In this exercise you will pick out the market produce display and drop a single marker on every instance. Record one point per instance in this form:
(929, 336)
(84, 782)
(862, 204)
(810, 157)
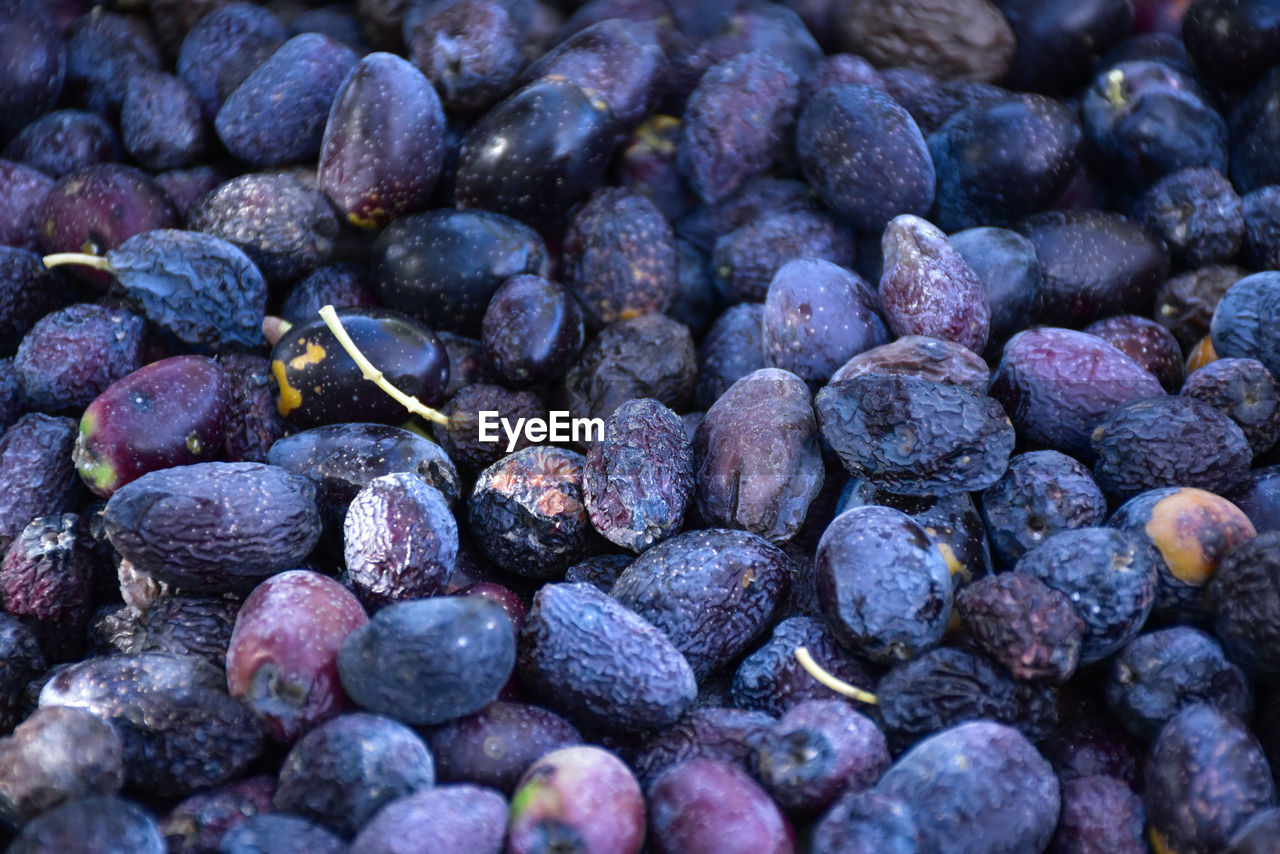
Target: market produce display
(639, 426)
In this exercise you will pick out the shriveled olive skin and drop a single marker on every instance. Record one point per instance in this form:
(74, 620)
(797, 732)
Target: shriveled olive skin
(214, 526)
(712, 592)
(916, 436)
(180, 729)
(597, 662)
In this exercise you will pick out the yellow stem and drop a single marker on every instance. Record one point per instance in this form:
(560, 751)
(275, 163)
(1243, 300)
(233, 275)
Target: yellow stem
(374, 375)
(833, 682)
(95, 261)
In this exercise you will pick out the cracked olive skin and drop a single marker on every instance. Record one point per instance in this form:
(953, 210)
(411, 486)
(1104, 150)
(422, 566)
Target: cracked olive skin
(1244, 599)
(1110, 578)
(214, 527)
(880, 549)
(494, 746)
(1205, 774)
(711, 592)
(597, 662)
(915, 436)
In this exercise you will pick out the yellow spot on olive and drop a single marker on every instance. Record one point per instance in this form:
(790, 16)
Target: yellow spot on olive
(194, 445)
(315, 355)
(290, 398)
(954, 566)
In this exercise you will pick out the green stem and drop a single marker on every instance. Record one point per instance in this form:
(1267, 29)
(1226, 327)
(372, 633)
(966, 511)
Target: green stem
(831, 681)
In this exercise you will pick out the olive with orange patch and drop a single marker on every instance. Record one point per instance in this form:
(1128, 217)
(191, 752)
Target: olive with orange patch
(1193, 530)
(317, 382)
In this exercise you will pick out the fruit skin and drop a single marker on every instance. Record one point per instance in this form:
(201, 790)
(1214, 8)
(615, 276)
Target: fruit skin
(222, 42)
(25, 188)
(444, 266)
(771, 680)
(880, 549)
(818, 316)
(1257, 833)
(72, 355)
(65, 141)
(97, 824)
(864, 156)
(818, 751)
(169, 413)
(1057, 384)
(36, 473)
(1002, 160)
(1185, 303)
(756, 456)
(454, 818)
(620, 257)
(1059, 43)
(343, 771)
(532, 331)
(199, 288)
(198, 823)
(1099, 814)
(1259, 498)
(980, 787)
(282, 660)
(1163, 672)
(915, 436)
(383, 144)
(712, 732)
(711, 592)
(494, 746)
(637, 482)
(320, 383)
(179, 728)
(536, 153)
(277, 114)
(923, 357)
(1244, 390)
(1243, 326)
(647, 356)
(97, 209)
(704, 805)
(1244, 598)
(526, 511)
(1198, 215)
(1094, 264)
(428, 661)
(1169, 441)
(1146, 342)
(1110, 578)
(1193, 530)
(1204, 776)
(598, 662)
(47, 576)
(1041, 494)
(184, 625)
(460, 438)
(582, 797)
(734, 123)
(160, 121)
(1024, 624)
(1144, 120)
(214, 526)
(280, 834)
(469, 51)
(967, 41)
(341, 459)
(1230, 42)
(400, 540)
(731, 349)
(867, 821)
(35, 65)
(39, 770)
(102, 51)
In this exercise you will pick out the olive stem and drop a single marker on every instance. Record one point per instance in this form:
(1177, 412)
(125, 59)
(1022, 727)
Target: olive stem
(374, 375)
(95, 261)
(833, 682)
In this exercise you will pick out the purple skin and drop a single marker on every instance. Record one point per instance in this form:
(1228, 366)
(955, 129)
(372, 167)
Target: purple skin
(283, 657)
(928, 288)
(453, 818)
(95, 209)
(532, 330)
(197, 824)
(168, 413)
(1059, 383)
(185, 186)
(470, 51)
(384, 143)
(817, 752)
(583, 798)
(74, 354)
(708, 807)
(497, 744)
(714, 732)
(1147, 343)
(25, 189)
